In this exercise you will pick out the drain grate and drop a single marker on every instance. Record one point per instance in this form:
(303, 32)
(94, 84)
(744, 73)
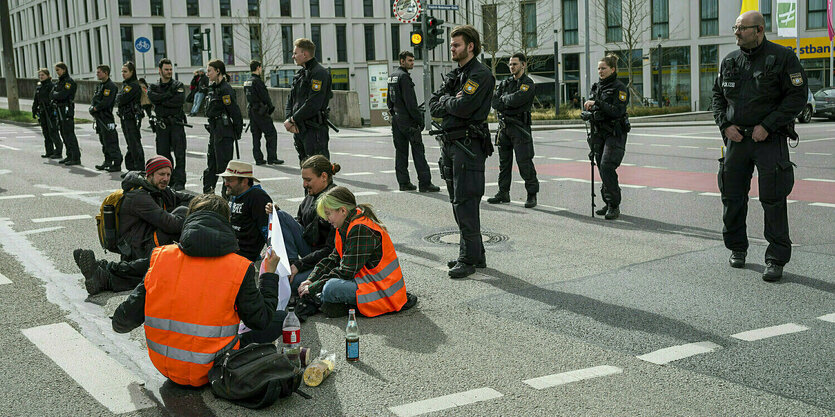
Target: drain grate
(452, 237)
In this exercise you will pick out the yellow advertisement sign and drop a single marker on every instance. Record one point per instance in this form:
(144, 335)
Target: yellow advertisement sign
(809, 47)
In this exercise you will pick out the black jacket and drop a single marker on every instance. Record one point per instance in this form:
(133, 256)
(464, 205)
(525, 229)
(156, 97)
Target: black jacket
(146, 210)
(104, 97)
(401, 99)
(128, 101)
(203, 84)
(168, 99)
(64, 91)
(763, 86)
(257, 98)
(207, 234)
(43, 98)
(309, 96)
(250, 221)
(610, 97)
(222, 102)
(318, 233)
(476, 82)
(513, 100)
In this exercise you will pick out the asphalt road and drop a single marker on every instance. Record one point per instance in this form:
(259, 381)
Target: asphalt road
(573, 316)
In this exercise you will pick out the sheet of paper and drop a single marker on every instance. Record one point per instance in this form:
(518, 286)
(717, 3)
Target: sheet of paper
(283, 269)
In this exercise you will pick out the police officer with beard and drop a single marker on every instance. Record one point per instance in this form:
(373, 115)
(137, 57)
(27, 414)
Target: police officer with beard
(43, 111)
(406, 125)
(512, 101)
(307, 105)
(225, 125)
(260, 108)
(760, 90)
(129, 109)
(168, 96)
(101, 109)
(463, 101)
(63, 98)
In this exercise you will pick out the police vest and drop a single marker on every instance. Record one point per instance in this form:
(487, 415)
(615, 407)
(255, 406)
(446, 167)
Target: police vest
(381, 289)
(190, 311)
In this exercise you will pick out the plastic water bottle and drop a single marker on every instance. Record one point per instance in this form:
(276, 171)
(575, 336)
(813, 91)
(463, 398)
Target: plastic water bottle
(291, 334)
(352, 338)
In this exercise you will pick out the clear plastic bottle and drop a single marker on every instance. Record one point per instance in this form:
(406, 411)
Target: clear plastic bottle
(291, 335)
(352, 338)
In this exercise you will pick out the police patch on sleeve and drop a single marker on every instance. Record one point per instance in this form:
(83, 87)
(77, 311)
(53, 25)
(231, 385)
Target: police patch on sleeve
(67, 86)
(470, 87)
(524, 87)
(797, 79)
(393, 80)
(106, 92)
(127, 89)
(248, 83)
(622, 95)
(227, 99)
(316, 85)
(180, 90)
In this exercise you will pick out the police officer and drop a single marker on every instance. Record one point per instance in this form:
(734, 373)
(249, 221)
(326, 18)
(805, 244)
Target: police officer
(168, 97)
(101, 108)
(43, 111)
(307, 105)
(760, 90)
(225, 125)
(609, 126)
(129, 109)
(63, 96)
(463, 101)
(260, 107)
(512, 101)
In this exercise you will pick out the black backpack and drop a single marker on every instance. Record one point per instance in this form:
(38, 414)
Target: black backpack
(254, 376)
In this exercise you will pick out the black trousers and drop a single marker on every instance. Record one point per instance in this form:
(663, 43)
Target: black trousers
(403, 137)
(775, 179)
(67, 128)
(135, 155)
(218, 155)
(126, 275)
(263, 125)
(312, 142)
(464, 178)
(171, 141)
(508, 143)
(608, 154)
(51, 139)
(109, 140)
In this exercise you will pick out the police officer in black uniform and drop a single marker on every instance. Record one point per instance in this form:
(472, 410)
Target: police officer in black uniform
(63, 98)
(260, 107)
(101, 108)
(760, 90)
(129, 109)
(168, 97)
(513, 100)
(225, 125)
(307, 106)
(463, 101)
(406, 125)
(43, 111)
(606, 110)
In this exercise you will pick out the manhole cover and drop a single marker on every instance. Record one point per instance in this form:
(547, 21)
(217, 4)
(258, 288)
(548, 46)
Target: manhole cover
(452, 237)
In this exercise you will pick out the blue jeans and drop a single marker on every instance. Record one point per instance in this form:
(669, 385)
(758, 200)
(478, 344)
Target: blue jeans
(198, 100)
(340, 291)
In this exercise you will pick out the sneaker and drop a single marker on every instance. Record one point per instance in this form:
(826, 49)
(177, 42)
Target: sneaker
(737, 259)
(431, 188)
(612, 213)
(773, 272)
(407, 187)
(499, 198)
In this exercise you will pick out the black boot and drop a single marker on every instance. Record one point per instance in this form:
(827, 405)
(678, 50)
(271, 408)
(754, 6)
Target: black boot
(407, 187)
(452, 263)
(737, 259)
(602, 211)
(461, 270)
(499, 198)
(96, 277)
(115, 167)
(773, 272)
(430, 188)
(612, 213)
(531, 201)
(104, 165)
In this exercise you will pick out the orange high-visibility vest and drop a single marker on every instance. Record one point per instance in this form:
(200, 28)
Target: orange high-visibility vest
(380, 290)
(190, 311)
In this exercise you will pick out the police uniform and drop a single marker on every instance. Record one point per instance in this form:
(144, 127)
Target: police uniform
(513, 100)
(101, 108)
(260, 107)
(307, 105)
(406, 125)
(225, 127)
(464, 120)
(608, 138)
(129, 109)
(168, 99)
(63, 96)
(763, 86)
(43, 111)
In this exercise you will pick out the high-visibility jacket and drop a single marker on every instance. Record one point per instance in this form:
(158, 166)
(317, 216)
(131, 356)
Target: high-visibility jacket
(190, 311)
(381, 289)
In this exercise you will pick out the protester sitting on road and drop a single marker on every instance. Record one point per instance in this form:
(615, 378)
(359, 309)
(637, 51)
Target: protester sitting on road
(363, 269)
(195, 295)
(150, 216)
(246, 202)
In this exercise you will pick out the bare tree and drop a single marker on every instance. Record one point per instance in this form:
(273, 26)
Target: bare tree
(264, 39)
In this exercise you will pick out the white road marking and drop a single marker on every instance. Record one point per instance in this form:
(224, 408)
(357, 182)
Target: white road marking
(12, 197)
(817, 140)
(672, 190)
(388, 171)
(11, 148)
(818, 153)
(628, 165)
(61, 218)
(445, 402)
(25, 137)
(354, 174)
(100, 375)
(635, 143)
(818, 179)
(4, 280)
(711, 194)
(273, 179)
(41, 230)
(64, 193)
(572, 180)
(5, 171)
(196, 153)
(362, 193)
(674, 353)
(557, 158)
(661, 145)
(94, 171)
(549, 381)
(632, 186)
(766, 332)
(823, 205)
(652, 166)
(492, 184)
(688, 147)
(295, 199)
(828, 317)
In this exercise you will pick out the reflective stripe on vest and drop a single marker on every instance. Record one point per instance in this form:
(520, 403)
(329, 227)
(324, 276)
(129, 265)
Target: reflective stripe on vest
(188, 356)
(380, 294)
(391, 267)
(190, 328)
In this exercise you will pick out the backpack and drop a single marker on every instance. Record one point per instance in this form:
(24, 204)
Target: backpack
(254, 376)
(107, 221)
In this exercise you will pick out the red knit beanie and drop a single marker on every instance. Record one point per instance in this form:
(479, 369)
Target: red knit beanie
(156, 163)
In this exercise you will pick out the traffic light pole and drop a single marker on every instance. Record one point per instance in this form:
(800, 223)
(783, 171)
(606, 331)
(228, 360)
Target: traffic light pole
(427, 73)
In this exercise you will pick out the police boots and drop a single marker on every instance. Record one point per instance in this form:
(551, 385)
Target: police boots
(500, 197)
(612, 213)
(531, 201)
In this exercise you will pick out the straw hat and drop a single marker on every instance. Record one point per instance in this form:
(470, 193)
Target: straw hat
(239, 169)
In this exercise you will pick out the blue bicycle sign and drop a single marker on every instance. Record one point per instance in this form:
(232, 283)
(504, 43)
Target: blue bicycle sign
(142, 44)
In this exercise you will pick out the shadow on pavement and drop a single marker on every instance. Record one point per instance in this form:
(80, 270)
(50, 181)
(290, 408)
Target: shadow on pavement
(788, 277)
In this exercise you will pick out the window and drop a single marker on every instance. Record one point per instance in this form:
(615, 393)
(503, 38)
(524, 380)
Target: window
(159, 42)
(395, 41)
(196, 52)
(570, 34)
(368, 8)
(287, 42)
(708, 70)
(314, 8)
(341, 44)
(285, 9)
(369, 43)
(529, 25)
(192, 8)
(124, 8)
(489, 27)
(40, 14)
(95, 10)
(98, 44)
(85, 17)
(339, 8)
(614, 31)
(156, 8)
(316, 37)
(127, 43)
(89, 50)
(67, 12)
(660, 19)
(225, 8)
(765, 9)
(253, 8)
(675, 83)
(709, 13)
(816, 15)
(255, 42)
(571, 75)
(228, 41)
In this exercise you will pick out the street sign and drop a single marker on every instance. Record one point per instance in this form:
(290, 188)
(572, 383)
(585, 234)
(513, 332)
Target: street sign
(142, 44)
(407, 11)
(442, 6)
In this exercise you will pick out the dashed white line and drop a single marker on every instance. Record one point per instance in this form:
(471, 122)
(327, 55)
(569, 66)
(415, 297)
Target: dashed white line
(688, 147)
(674, 353)
(828, 317)
(445, 402)
(632, 186)
(819, 153)
(388, 171)
(273, 179)
(196, 153)
(660, 145)
(364, 193)
(823, 205)
(766, 332)
(818, 179)
(711, 194)
(11, 148)
(627, 165)
(672, 190)
(63, 193)
(549, 381)
(4, 280)
(13, 197)
(354, 174)
(557, 158)
(41, 230)
(5, 171)
(61, 218)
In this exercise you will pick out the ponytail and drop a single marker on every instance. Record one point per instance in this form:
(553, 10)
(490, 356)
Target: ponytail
(338, 197)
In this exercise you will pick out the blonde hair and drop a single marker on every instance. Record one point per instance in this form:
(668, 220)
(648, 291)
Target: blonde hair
(338, 197)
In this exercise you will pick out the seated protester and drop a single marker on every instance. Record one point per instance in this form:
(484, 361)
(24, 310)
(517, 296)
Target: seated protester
(246, 202)
(195, 295)
(363, 269)
(151, 215)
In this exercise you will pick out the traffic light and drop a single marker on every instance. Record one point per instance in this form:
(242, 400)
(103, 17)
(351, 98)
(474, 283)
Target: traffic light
(435, 31)
(416, 37)
(197, 41)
